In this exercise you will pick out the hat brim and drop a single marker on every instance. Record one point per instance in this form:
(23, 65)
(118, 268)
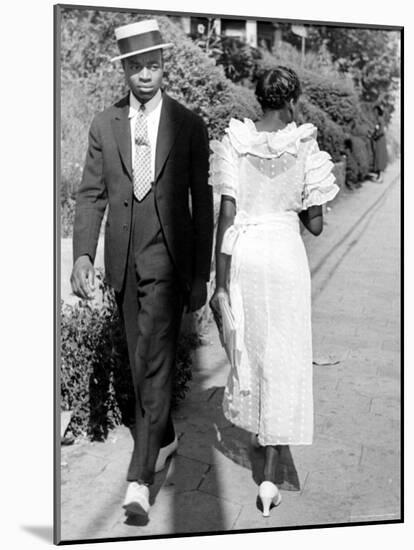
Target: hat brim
(144, 50)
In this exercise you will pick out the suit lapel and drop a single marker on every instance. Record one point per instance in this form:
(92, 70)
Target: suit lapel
(167, 131)
(122, 132)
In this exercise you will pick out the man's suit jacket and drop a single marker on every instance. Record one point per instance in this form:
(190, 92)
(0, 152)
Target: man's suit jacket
(181, 173)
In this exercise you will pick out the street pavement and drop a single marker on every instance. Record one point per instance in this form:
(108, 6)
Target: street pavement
(351, 473)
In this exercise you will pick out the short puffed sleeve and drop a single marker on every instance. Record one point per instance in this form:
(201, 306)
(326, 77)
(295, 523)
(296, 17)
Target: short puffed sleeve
(319, 186)
(223, 173)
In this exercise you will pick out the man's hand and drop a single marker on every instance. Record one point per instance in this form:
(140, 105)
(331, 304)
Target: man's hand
(83, 278)
(198, 295)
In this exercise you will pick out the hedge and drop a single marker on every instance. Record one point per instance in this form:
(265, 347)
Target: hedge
(331, 136)
(336, 98)
(194, 79)
(95, 375)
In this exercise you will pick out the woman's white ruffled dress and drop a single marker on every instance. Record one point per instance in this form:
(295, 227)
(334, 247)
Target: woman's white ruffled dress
(272, 176)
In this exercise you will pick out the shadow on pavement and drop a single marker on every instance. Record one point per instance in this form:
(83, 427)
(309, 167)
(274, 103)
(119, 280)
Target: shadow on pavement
(136, 520)
(208, 491)
(235, 444)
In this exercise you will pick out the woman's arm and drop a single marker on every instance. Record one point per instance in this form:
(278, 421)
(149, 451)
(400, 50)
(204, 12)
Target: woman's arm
(226, 219)
(312, 219)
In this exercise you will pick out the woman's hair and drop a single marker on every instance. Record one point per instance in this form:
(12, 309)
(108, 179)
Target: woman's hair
(276, 87)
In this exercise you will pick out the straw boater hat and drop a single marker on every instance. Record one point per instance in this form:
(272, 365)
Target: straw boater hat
(143, 36)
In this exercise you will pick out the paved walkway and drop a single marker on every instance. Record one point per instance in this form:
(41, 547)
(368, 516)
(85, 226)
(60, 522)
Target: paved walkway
(350, 473)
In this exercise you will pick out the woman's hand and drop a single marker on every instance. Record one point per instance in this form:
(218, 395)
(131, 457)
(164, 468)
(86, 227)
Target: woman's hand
(215, 305)
(312, 219)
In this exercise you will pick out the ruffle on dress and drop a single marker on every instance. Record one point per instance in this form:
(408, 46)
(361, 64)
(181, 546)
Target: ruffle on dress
(320, 184)
(243, 138)
(246, 139)
(223, 167)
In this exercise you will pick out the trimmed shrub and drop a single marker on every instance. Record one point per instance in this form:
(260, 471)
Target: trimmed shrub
(331, 137)
(336, 98)
(358, 159)
(194, 79)
(317, 63)
(96, 383)
(75, 119)
(67, 216)
(239, 60)
(341, 103)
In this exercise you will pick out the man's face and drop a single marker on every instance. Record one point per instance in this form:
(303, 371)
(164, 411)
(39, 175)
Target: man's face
(143, 73)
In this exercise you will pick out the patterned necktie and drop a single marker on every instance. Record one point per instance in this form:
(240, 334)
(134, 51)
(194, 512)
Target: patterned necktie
(142, 158)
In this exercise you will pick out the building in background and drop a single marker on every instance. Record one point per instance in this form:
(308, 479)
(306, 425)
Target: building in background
(255, 33)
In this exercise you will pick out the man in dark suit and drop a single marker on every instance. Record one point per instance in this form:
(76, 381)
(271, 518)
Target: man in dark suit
(147, 160)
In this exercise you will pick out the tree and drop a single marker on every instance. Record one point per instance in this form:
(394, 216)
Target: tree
(371, 56)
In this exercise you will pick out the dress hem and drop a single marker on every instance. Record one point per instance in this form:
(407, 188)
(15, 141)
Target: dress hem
(274, 442)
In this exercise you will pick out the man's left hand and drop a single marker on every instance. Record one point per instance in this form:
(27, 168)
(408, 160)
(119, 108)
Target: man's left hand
(198, 295)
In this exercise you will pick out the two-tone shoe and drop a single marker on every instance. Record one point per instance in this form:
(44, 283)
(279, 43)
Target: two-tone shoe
(137, 499)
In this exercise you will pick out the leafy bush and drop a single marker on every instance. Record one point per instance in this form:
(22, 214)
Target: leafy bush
(96, 379)
(341, 103)
(67, 216)
(336, 98)
(239, 60)
(371, 57)
(318, 63)
(75, 118)
(359, 156)
(194, 79)
(331, 137)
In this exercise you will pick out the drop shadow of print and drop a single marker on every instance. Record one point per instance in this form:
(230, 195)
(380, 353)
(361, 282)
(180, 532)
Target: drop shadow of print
(42, 532)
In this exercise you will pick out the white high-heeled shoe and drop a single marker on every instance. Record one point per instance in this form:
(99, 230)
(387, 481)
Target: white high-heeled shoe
(269, 494)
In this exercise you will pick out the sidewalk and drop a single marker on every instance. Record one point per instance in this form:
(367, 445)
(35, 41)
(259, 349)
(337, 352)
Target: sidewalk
(350, 473)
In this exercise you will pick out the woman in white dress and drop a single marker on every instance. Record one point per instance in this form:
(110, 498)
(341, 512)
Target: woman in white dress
(270, 174)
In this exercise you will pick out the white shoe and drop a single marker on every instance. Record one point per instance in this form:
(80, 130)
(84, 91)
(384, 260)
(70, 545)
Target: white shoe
(137, 499)
(269, 494)
(164, 453)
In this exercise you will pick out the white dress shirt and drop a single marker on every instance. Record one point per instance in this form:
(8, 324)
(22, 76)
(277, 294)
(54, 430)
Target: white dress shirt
(152, 112)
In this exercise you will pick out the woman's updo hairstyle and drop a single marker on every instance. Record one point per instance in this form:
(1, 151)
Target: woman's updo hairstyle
(276, 87)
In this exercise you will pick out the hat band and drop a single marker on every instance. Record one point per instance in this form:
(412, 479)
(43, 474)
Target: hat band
(139, 42)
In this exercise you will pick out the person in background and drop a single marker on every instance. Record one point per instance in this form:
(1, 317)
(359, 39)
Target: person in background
(147, 154)
(379, 144)
(270, 175)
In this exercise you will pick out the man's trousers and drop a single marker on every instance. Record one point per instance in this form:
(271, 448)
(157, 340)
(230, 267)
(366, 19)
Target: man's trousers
(151, 306)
